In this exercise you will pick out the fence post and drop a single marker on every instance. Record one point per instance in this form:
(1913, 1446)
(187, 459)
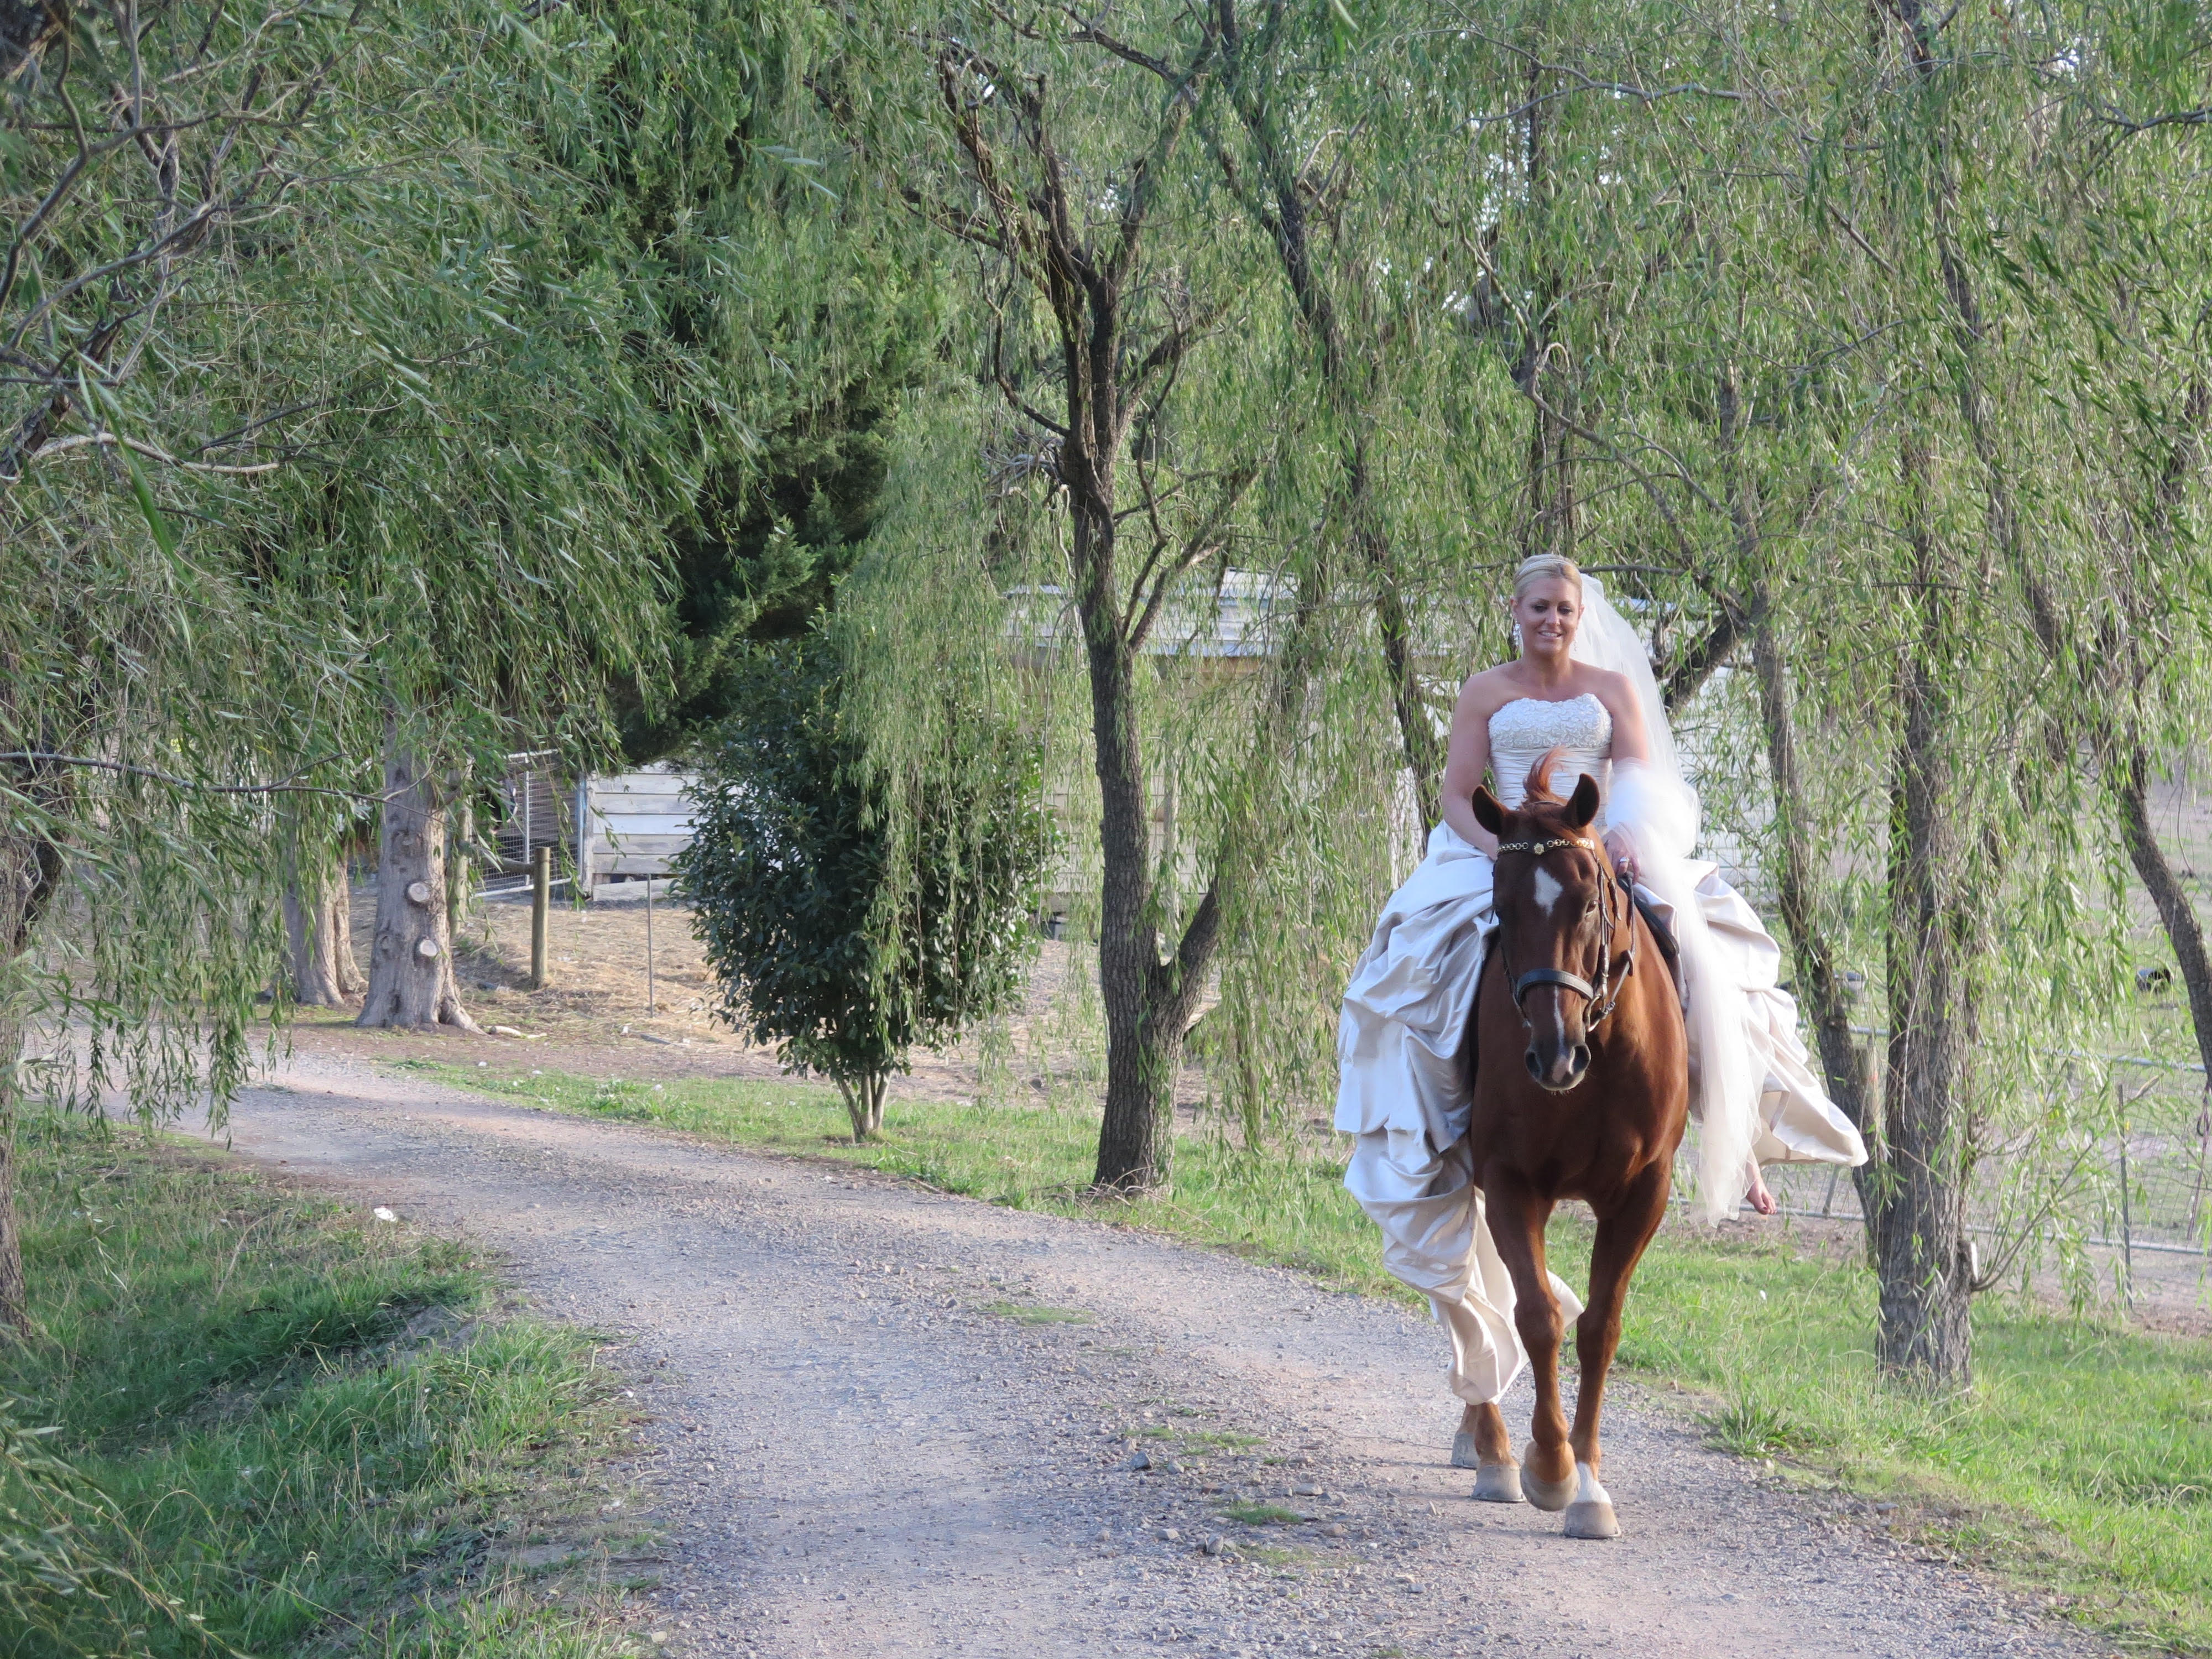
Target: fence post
(2127, 1213)
(648, 942)
(2204, 1157)
(541, 895)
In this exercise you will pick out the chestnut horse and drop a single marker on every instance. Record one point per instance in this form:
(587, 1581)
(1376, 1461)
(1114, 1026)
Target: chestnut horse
(1582, 1090)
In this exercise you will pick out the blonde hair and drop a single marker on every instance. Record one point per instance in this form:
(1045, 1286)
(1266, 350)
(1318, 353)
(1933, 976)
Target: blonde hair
(1541, 567)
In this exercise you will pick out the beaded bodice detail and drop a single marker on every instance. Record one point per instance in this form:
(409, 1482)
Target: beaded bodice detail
(1521, 730)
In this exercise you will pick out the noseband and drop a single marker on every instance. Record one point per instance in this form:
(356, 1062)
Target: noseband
(1601, 996)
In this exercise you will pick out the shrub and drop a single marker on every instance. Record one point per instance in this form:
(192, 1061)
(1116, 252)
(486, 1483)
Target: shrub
(840, 929)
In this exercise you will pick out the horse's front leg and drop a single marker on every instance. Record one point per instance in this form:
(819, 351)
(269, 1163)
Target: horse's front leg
(1517, 1219)
(1622, 1236)
(1483, 1445)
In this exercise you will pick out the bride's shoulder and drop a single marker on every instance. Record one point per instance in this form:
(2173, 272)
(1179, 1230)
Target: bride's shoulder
(1616, 692)
(1488, 690)
(1611, 688)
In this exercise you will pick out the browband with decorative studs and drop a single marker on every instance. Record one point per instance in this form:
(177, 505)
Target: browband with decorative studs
(1540, 847)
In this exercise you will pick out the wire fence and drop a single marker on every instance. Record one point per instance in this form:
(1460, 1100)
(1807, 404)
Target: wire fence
(2119, 1158)
(536, 810)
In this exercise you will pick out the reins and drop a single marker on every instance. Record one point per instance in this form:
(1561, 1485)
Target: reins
(1602, 996)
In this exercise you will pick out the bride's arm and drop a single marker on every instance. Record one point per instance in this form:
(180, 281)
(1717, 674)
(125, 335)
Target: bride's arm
(1630, 743)
(1466, 759)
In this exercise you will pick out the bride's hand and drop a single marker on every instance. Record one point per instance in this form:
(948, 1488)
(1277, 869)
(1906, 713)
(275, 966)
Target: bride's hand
(1623, 848)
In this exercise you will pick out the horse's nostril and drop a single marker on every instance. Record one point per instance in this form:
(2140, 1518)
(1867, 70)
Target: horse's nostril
(1581, 1061)
(1535, 1065)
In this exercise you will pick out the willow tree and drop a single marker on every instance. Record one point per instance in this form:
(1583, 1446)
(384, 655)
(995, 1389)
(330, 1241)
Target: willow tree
(499, 437)
(798, 310)
(1759, 284)
(1062, 166)
(275, 467)
(155, 706)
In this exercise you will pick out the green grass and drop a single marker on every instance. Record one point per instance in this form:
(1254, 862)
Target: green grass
(1026, 1313)
(2082, 1462)
(277, 1426)
(1261, 1515)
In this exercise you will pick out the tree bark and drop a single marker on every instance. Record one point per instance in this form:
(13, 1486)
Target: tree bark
(410, 975)
(1687, 673)
(319, 925)
(1917, 1216)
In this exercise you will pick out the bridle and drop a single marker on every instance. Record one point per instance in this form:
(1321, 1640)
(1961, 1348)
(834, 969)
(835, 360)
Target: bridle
(1601, 996)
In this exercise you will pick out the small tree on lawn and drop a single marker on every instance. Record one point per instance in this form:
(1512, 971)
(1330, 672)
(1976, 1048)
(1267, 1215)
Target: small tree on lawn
(832, 938)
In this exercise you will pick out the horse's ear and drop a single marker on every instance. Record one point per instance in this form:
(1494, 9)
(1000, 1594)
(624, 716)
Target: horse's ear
(1581, 805)
(1487, 812)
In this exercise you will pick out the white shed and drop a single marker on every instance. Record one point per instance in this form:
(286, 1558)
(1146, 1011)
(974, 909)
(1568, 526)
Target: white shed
(633, 823)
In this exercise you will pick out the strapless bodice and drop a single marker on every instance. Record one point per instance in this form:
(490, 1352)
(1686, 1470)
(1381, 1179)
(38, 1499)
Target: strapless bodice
(1523, 729)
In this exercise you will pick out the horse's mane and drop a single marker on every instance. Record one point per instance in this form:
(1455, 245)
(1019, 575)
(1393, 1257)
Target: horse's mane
(1538, 791)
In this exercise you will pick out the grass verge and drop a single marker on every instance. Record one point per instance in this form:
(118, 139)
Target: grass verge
(252, 1421)
(2080, 1463)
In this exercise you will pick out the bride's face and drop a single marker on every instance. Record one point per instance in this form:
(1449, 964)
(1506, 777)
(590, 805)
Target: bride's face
(1548, 614)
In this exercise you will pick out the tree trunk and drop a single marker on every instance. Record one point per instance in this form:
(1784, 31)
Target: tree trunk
(318, 924)
(2127, 775)
(1136, 1138)
(1416, 732)
(30, 870)
(460, 870)
(1917, 1216)
(352, 982)
(410, 975)
(1148, 1000)
(864, 1105)
(15, 1294)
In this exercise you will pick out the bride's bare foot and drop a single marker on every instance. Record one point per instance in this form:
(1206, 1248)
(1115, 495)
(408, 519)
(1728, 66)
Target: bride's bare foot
(1762, 1199)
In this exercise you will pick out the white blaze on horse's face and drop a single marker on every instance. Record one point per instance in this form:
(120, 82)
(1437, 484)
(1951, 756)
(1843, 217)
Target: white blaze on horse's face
(1547, 890)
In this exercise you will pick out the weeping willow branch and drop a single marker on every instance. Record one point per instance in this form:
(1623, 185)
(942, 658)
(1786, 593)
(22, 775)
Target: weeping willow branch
(152, 452)
(284, 786)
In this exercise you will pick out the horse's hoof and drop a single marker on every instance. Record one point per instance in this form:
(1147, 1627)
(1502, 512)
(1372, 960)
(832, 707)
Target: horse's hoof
(1595, 1520)
(1464, 1454)
(1550, 1495)
(1498, 1483)
(1590, 1516)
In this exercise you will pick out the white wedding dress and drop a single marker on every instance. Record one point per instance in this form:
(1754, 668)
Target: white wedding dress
(1399, 1090)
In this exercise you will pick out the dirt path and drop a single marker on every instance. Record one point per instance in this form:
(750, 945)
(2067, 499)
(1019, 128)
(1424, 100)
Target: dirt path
(896, 1423)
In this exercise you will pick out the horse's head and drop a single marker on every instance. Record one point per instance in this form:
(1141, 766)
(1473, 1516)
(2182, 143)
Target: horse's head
(1555, 919)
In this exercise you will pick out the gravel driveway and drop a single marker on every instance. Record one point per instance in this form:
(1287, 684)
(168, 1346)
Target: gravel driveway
(896, 1423)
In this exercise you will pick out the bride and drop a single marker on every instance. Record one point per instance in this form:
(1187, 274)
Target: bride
(1583, 686)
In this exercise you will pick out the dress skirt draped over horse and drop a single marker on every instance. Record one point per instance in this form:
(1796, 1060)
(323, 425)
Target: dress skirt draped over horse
(1401, 1093)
